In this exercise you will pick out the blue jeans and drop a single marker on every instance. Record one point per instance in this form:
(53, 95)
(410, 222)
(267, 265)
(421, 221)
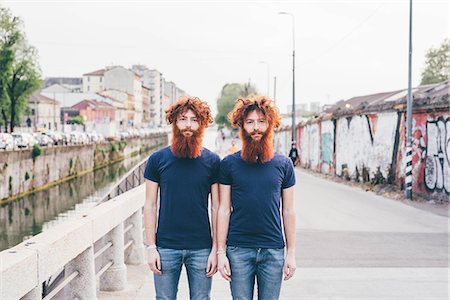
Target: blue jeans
(195, 261)
(266, 265)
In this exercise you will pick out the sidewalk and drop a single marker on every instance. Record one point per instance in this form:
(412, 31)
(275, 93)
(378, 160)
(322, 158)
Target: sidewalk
(315, 284)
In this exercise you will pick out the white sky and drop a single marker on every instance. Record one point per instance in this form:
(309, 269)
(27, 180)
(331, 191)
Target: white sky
(343, 48)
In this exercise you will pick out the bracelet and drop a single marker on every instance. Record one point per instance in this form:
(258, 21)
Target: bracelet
(220, 251)
(151, 246)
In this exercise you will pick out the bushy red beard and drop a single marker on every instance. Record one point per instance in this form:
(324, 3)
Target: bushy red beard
(186, 147)
(257, 151)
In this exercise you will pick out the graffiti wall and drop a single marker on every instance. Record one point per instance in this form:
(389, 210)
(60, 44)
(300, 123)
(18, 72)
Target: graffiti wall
(282, 141)
(364, 145)
(310, 146)
(431, 155)
(327, 146)
(371, 147)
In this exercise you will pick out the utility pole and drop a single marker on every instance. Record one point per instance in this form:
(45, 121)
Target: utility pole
(409, 104)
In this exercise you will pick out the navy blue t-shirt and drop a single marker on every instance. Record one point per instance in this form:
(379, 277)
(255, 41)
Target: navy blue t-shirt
(255, 219)
(185, 185)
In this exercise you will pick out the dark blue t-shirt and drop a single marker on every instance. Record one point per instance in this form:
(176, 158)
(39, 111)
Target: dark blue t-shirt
(185, 185)
(255, 219)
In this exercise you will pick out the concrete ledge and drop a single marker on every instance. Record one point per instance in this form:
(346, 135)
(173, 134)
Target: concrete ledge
(109, 214)
(18, 272)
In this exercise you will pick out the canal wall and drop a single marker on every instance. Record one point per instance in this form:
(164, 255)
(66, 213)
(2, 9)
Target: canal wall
(20, 173)
(363, 139)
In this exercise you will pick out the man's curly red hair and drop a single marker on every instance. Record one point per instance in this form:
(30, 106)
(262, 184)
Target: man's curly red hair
(253, 151)
(199, 107)
(261, 103)
(188, 147)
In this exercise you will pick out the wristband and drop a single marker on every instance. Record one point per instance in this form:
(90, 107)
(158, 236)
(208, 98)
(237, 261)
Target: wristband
(151, 246)
(220, 251)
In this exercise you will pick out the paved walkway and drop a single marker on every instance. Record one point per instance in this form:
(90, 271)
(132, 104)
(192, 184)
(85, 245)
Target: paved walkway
(351, 244)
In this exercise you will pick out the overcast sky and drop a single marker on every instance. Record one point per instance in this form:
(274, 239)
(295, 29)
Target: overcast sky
(343, 48)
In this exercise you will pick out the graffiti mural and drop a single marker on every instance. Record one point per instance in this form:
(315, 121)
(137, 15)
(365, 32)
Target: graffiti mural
(437, 159)
(360, 146)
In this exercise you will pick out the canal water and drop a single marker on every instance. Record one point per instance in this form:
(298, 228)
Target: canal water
(37, 212)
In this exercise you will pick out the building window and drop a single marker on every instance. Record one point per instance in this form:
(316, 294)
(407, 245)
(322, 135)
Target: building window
(89, 78)
(101, 78)
(88, 88)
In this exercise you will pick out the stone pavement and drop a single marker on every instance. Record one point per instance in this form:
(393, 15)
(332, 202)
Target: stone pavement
(316, 284)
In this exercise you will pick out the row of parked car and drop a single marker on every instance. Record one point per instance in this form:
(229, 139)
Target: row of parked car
(11, 141)
(51, 138)
(142, 133)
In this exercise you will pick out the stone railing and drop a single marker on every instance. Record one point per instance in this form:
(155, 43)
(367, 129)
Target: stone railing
(92, 252)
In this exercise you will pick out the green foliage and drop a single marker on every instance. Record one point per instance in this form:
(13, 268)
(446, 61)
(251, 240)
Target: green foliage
(112, 147)
(20, 73)
(437, 64)
(229, 94)
(36, 151)
(76, 120)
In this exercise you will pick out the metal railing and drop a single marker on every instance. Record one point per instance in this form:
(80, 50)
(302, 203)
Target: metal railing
(132, 179)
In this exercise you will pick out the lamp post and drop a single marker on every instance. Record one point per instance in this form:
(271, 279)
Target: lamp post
(409, 104)
(293, 73)
(268, 76)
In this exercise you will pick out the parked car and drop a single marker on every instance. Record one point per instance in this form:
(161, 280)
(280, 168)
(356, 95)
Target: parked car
(6, 141)
(56, 136)
(43, 139)
(20, 141)
(66, 138)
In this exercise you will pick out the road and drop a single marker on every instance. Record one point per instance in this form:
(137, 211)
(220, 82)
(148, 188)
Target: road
(351, 244)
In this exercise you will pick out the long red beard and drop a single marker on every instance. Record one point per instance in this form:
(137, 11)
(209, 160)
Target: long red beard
(254, 151)
(187, 147)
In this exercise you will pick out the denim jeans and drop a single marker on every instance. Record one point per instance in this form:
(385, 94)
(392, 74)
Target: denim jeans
(166, 284)
(266, 265)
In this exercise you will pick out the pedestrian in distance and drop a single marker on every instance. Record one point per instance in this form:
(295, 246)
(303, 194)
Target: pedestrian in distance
(254, 184)
(186, 175)
(293, 154)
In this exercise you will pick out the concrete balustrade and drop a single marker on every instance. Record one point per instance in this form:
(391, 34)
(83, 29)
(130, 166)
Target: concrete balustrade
(70, 245)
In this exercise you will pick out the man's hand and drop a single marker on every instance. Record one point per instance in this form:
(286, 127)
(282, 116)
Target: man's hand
(289, 266)
(224, 266)
(153, 260)
(211, 266)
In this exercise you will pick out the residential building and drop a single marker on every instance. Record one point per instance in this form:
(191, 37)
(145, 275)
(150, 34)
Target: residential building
(96, 111)
(124, 107)
(45, 112)
(154, 80)
(146, 104)
(122, 79)
(93, 82)
(74, 84)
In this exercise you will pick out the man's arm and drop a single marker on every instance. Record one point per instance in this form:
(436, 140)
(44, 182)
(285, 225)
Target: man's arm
(289, 221)
(223, 220)
(211, 267)
(150, 213)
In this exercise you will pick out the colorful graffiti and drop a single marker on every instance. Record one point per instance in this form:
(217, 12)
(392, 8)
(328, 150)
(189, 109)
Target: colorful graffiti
(437, 158)
(363, 146)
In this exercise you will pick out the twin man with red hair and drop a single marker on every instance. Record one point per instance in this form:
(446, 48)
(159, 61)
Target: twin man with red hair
(240, 232)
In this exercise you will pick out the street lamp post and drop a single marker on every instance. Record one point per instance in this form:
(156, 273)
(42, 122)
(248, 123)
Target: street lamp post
(409, 104)
(293, 73)
(268, 77)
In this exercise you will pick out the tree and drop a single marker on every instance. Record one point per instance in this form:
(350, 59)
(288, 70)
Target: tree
(19, 70)
(24, 80)
(437, 64)
(230, 92)
(9, 35)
